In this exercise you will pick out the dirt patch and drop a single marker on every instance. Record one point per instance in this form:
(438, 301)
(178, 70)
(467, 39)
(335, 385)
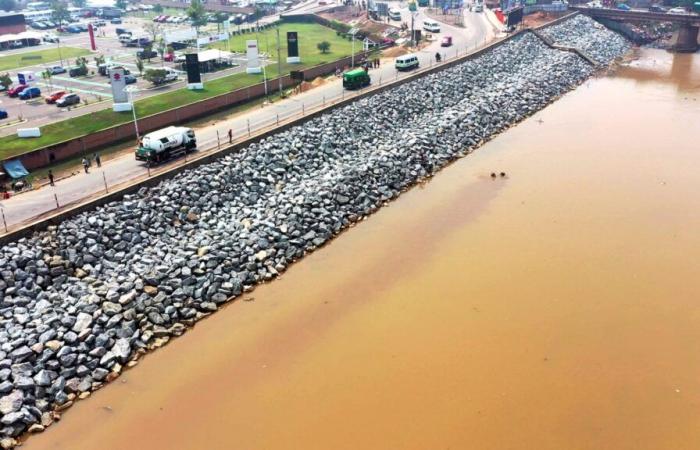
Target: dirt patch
(540, 18)
(393, 52)
(357, 18)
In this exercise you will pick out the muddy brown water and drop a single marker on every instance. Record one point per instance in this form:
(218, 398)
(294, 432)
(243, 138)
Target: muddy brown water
(557, 308)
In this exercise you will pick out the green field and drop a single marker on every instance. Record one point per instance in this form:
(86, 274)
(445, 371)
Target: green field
(309, 36)
(19, 60)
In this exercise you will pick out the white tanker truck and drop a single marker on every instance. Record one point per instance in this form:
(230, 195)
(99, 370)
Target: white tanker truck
(165, 144)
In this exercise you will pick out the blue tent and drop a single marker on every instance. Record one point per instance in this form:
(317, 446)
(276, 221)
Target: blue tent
(15, 169)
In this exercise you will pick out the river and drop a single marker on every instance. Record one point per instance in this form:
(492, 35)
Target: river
(555, 308)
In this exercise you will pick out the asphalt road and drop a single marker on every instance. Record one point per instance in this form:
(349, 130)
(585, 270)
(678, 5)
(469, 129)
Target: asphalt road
(22, 208)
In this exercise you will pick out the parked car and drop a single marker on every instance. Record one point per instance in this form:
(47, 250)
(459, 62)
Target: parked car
(53, 98)
(28, 93)
(55, 70)
(15, 91)
(73, 29)
(677, 10)
(116, 21)
(68, 100)
(446, 41)
(623, 7)
(3, 114)
(146, 54)
(129, 79)
(78, 71)
(49, 24)
(48, 37)
(656, 8)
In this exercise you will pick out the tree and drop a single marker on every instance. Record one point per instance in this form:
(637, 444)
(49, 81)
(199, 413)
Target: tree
(158, 9)
(324, 46)
(147, 49)
(153, 29)
(139, 65)
(99, 59)
(197, 14)
(121, 4)
(155, 76)
(220, 18)
(59, 12)
(8, 5)
(5, 80)
(160, 47)
(46, 75)
(79, 3)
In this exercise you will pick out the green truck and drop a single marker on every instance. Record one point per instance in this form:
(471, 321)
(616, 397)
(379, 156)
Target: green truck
(355, 79)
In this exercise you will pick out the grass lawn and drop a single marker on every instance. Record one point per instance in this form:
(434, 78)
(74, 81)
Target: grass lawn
(39, 57)
(309, 35)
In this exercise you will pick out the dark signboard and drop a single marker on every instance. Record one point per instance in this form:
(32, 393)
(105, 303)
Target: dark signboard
(292, 44)
(192, 67)
(515, 16)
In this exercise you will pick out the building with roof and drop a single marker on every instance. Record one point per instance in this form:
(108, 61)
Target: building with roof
(12, 23)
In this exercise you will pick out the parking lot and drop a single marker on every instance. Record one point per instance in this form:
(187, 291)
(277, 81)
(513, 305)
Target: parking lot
(93, 89)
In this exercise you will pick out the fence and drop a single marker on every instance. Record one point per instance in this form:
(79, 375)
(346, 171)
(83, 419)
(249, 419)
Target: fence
(120, 133)
(107, 186)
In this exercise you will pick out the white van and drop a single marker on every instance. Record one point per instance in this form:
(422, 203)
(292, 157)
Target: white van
(431, 25)
(124, 38)
(406, 62)
(394, 14)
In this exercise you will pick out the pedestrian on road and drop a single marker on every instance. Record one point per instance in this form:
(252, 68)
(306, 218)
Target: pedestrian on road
(50, 177)
(230, 136)
(86, 164)
(98, 161)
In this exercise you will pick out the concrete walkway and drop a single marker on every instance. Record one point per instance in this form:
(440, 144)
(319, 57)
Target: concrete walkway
(29, 206)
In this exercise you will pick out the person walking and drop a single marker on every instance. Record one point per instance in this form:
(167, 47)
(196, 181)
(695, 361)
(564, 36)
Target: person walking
(86, 164)
(50, 175)
(230, 136)
(98, 161)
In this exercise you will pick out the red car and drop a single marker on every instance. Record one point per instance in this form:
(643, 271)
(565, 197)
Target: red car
(55, 96)
(446, 41)
(169, 57)
(15, 91)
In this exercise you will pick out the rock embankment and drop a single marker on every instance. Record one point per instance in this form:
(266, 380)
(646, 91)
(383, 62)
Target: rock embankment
(81, 300)
(587, 35)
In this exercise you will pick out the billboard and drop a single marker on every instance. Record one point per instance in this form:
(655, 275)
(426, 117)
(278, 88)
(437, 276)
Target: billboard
(252, 57)
(515, 16)
(214, 38)
(116, 79)
(293, 47)
(192, 67)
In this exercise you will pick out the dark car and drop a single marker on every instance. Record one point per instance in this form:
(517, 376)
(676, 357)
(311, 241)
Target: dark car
(68, 100)
(31, 92)
(656, 8)
(116, 21)
(143, 54)
(3, 114)
(78, 71)
(129, 79)
(73, 29)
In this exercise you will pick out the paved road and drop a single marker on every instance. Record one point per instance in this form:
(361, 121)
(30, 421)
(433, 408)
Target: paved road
(22, 208)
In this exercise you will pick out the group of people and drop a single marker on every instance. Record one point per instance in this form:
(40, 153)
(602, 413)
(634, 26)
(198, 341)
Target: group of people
(371, 64)
(87, 162)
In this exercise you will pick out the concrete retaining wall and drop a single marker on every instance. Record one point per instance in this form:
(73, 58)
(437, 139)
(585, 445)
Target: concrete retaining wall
(118, 194)
(36, 159)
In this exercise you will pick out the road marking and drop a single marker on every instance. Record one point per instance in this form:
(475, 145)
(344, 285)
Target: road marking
(77, 80)
(84, 91)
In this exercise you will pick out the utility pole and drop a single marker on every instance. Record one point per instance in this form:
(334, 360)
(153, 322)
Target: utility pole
(279, 61)
(413, 33)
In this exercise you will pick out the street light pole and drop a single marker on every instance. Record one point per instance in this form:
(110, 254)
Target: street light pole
(279, 61)
(130, 91)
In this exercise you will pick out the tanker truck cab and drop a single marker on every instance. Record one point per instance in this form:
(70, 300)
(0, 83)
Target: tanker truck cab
(165, 144)
(406, 62)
